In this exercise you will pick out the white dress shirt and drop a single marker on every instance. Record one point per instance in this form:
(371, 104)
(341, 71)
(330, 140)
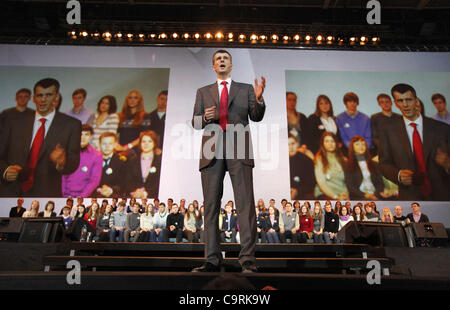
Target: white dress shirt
(219, 83)
(410, 129)
(37, 124)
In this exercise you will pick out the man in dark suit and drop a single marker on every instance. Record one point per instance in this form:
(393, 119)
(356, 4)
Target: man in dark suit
(36, 149)
(414, 150)
(19, 210)
(158, 116)
(229, 227)
(223, 109)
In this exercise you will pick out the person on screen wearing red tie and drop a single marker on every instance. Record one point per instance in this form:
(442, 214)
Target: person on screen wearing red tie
(414, 150)
(220, 109)
(38, 148)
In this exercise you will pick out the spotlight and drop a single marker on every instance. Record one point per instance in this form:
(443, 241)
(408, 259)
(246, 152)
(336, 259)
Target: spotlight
(107, 36)
(175, 35)
(152, 36)
(319, 38)
(230, 36)
(274, 37)
(375, 40)
(242, 37)
(296, 37)
(186, 36)
(219, 36)
(95, 35)
(162, 36)
(285, 38)
(84, 34)
(130, 36)
(308, 38)
(253, 37)
(363, 40)
(73, 34)
(141, 36)
(263, 37)
(119, 35)
(197, 36)
(208, 35)
(352, 40)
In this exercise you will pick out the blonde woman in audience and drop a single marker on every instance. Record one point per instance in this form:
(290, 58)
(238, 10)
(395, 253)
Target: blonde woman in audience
(318, 223)
(386, 216)
(34, 210)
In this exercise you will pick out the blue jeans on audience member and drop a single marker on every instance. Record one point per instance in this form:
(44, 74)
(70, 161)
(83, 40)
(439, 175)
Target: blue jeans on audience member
(328, 240)
(156, 238)
(272, 237)
(318, 238)
(113, 233)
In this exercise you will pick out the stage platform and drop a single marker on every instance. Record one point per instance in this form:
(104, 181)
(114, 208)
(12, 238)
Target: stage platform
(166, 266)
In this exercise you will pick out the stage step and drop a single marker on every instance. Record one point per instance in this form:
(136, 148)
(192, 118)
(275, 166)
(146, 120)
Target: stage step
(231, 264)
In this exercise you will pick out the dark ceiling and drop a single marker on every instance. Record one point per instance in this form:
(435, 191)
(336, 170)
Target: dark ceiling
(404, 23)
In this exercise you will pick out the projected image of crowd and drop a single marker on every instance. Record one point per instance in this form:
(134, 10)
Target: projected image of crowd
(140, 220)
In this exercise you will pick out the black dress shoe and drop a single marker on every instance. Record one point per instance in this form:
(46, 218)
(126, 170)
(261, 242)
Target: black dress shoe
(207, 267)
(249, 267)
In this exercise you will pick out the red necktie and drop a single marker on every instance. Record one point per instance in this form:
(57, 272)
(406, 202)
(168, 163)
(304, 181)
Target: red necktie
(34, 153)
(425, 187)
(223, 111)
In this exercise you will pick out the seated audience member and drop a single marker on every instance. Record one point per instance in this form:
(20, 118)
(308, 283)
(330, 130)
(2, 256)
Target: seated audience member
(398, 214)
(79, 111)
(48, 210)
(66, 217)
(352, 122)
(301, 170)
(69, 203)
(371, 214)
(81, 211)
(103, 229)
(337, 207)
(147, 224)
(228, 224)
(441, 106)
(386, 216)
(159, 223)
(272, 225)
(377, 119)
(190, 221)
(331, 225)
(19, 210)
(34, 210)
(200, 223)
(260, 225)
(103, 206)
(296, 205)
(174, 225)
(104, 120)
(133, 224)
(261, 207)
(114, 169)
(358, 213)
(344, 217)
(182, 206)
(416, 216)
(158, 115)
(289, 224)
(318, 223)
(74, 208)
(144, 170)
(89, 172)
(422, 174)
(320, 121)
(329, 165)
(363, 179)
(131, 205)
(306, 225)
(92, 215)
(117, 223)
(297, 122)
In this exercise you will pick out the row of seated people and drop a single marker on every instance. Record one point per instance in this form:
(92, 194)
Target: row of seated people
(146, 223)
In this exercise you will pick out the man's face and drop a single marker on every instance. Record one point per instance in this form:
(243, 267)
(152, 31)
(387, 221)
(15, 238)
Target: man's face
(228, 208)
(107, 145)
(174, 209)
(222, 64)
(85, 138)
(415, 207)
(352, 107)
(136, 208)
(78, 100)
(20, 202)
(385, 104)
(46, 99)
(398, 210)
(408, 104)
(293, 146)
(161, 102)
(22, 99)
(440, 105)
(288, 208)
(328, 208)
(291, 101)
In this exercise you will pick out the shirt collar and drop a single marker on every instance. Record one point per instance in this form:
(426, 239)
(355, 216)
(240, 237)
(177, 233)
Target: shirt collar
(418, 121)
(219, 81)
(48, 117)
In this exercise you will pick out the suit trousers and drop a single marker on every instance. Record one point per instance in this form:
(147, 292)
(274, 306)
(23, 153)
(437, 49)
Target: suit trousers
(242, 181)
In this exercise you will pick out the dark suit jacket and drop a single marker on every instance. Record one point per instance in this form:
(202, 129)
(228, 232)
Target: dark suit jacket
(233, 222)
(14, 213)
(15, 141)
(423, 218)
(134, 176)
(157, 125)
(396, 154)
(353, 180)
(114, 175)
(276, 224)
(242, 105)
(316, 131)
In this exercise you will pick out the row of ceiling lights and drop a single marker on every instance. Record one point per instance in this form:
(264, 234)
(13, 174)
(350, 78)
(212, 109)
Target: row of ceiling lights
(220, 36)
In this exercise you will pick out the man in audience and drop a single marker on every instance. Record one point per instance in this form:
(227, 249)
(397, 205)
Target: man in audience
(228, 224)
(158, 116)
(398, 214)
(22, 98)
(133, 224)
(301, 170)
(353, 123)
(414, 150)
(289, 224)
(441, 106)
(297, 122)
(114, 168)
(169, 204)
(18, 210)
(79, 111)
(89, 172)
(174, 225)
(331, 225)
(117, 223)
(416, 216)
(377, 119)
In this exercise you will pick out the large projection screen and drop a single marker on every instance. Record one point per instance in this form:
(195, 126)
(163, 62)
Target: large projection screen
(182, 71)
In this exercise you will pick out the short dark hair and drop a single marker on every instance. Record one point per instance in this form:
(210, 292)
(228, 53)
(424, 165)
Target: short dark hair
(163, 92)
(221, 51)
(291, 93)
(86, 127)
(351, 97)
(383, 96)
(403, 88)
(438, 96)
(46, 83)
(112, 104)
(23, 90)
(415, 203)
(81, 91)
